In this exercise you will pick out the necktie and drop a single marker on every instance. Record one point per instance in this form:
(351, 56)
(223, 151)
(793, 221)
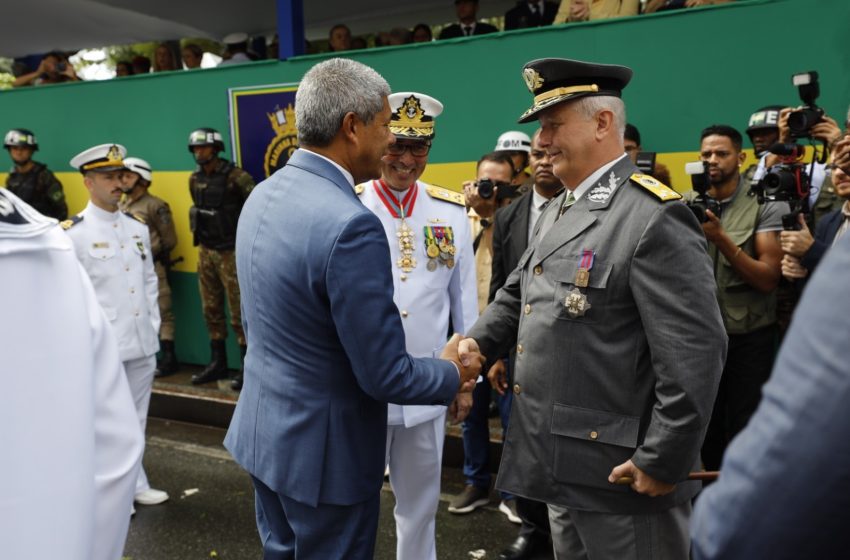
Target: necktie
(569, 200)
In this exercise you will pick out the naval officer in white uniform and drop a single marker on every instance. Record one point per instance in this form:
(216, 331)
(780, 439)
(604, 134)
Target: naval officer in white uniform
(434, 282)
(69, 436)
(115, 250)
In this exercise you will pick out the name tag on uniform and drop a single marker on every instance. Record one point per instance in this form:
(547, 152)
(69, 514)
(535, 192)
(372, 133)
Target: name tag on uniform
(100, 245)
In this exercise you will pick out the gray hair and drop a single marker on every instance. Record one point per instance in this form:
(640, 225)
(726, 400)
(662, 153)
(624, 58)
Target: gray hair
(589, 106)
(331, 89)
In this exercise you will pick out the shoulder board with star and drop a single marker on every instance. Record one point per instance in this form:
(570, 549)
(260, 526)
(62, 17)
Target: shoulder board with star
(135, 216)
(656, 187)
(442, 193)
(358, 189)
(71, 222)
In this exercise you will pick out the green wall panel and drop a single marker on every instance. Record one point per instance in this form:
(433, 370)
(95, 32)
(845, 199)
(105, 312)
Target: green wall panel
(692, 68)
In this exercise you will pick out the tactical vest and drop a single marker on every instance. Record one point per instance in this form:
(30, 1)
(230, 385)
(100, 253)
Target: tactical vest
(744, 309)
(31, 188)
(214, 217)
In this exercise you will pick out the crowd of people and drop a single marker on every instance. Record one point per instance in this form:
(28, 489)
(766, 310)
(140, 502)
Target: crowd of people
(239, 47)
(627, 332)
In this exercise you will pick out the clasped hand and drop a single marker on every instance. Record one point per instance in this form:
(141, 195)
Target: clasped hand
(468, 361)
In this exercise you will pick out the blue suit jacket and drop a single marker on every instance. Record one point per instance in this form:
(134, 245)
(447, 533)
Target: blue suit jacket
(782, 493)
(824, 235)
(326, 347)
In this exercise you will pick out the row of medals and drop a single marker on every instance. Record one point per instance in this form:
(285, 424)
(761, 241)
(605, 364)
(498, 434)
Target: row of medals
(441, 252)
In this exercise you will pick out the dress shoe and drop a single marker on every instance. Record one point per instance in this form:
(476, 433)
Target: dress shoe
(523, 547)
(150, 497)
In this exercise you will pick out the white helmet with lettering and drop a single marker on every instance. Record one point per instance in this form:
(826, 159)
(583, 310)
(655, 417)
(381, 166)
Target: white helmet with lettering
(140, 166)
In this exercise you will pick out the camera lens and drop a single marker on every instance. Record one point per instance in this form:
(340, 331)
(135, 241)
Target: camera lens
(485, 188)
(800, 122)
(780, 181)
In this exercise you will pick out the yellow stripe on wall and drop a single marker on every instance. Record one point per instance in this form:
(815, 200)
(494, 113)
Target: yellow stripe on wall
(173, 187)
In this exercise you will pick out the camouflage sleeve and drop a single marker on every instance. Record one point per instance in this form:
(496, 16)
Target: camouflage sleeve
(164, 224)
(243, 181)
(56, 196)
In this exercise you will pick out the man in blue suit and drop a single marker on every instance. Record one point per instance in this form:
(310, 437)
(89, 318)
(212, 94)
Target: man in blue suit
(782, 493)
(326, 347)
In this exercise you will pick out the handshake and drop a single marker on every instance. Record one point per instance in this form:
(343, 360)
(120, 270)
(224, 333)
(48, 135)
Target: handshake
(464, 353)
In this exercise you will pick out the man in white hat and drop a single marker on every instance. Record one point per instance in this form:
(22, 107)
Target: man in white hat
(156, 214)
(115, 250)
(434, 281)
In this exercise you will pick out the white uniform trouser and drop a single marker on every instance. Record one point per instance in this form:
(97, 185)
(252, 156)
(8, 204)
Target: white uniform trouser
(414, 456)
(140, 377)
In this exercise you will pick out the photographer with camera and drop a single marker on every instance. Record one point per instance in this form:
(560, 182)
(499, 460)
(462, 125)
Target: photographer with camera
(803, 251)
(492, 189)
(54, 68)
(743, 238)
(807, 121)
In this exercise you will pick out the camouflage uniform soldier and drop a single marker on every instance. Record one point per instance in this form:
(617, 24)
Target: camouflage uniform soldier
(156, 214)
(30, 180)
(219, 189)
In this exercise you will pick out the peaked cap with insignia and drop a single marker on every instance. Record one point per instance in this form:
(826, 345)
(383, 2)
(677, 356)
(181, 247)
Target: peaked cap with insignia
(102, 158)
(413, 115)
(554, 80)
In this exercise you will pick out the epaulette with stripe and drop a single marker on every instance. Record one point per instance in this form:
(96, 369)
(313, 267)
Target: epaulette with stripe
(656, 187)
(136, 217)
(71, 222)
(442, 193)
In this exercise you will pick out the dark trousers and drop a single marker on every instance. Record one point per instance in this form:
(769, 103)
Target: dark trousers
(290, 529)
(748, 365)
(535, 518)
(476, 434)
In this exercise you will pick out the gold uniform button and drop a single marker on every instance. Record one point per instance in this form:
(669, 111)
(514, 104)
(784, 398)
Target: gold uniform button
(126, 269)
(538, 270)
(519, 348)
(404, 313)
(527, 309)
(594, 435)
(137, 313)
(132, 290)
(403, 277)
(517, 389)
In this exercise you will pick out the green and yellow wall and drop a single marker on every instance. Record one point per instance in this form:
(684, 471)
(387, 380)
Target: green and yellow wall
(692, 68)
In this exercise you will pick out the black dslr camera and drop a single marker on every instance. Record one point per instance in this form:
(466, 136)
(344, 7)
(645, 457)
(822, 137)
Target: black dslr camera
(700, 182)
(787, 181)
(801, 121)
(486, 188)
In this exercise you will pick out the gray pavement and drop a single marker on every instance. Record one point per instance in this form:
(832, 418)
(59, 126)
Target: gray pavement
(211, 510)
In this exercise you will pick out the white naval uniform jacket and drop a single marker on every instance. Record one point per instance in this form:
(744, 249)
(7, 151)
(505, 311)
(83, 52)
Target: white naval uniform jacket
(115, 250)
(69, 434)
(427, 299)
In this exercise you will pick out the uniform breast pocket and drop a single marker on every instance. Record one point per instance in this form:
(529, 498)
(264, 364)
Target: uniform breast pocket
(101, 251)
(573, 303)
